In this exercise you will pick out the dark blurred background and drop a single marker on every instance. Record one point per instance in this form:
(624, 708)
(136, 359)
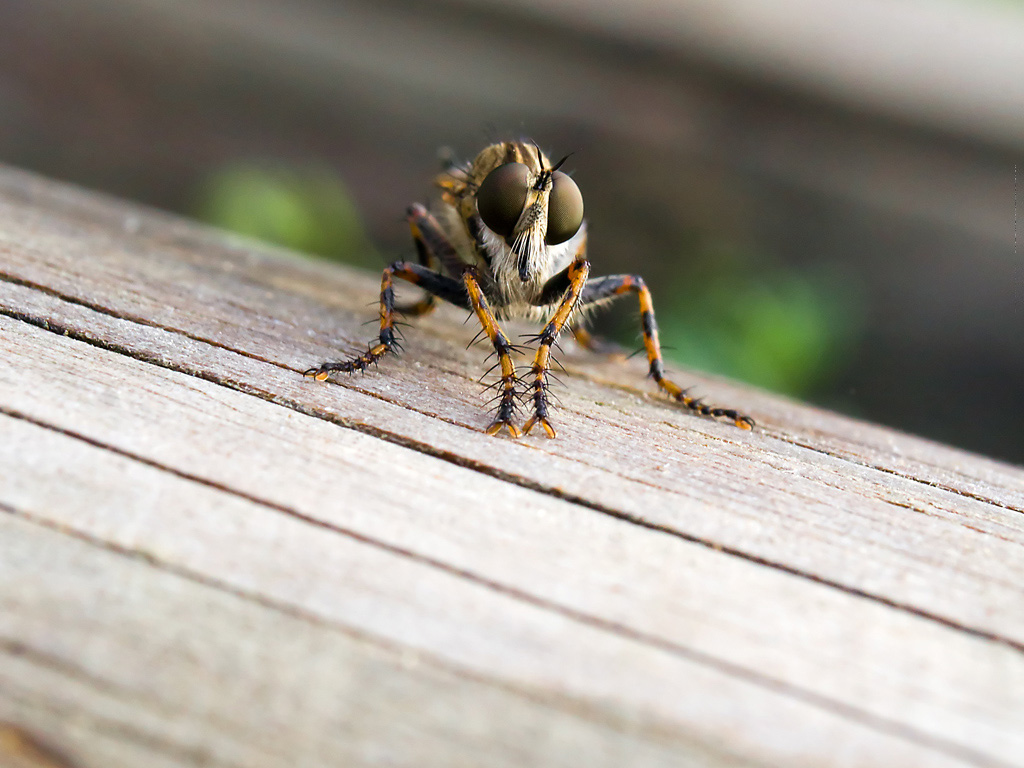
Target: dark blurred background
(823, 194)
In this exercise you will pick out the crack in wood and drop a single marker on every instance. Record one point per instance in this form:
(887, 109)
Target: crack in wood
(858, 454)
(576, 706)
(574, 372)
(839, 708)
(887, 470)
(463, 462)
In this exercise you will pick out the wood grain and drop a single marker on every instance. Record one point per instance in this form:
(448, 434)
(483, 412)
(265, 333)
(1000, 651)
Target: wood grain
(243, 683)
(819, 592)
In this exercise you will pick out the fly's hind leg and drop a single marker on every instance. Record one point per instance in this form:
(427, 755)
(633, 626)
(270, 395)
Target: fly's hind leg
(433, 251)
(428, 303)
(601, 288)
(596, 344)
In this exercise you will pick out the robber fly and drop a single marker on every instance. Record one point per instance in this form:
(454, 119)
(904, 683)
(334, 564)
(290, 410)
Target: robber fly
(507, 239)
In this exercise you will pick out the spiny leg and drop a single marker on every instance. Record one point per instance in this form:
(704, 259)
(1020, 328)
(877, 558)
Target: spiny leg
(575, 275)
(502, 347)
(436, 285)
(616, 285)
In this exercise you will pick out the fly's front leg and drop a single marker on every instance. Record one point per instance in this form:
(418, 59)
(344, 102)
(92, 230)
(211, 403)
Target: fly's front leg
(576, 276)
(506, 411)
(617, 285)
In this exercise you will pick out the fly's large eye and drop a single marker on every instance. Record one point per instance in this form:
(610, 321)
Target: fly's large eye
(565, 209)
(501, 197)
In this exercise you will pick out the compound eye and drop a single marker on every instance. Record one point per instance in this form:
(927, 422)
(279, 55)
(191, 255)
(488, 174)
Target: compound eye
(565, 209)
(502, 196)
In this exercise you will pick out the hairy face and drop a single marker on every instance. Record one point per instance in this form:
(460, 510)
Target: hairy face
(527, 202)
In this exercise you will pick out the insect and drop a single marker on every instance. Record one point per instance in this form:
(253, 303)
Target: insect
(507, 239)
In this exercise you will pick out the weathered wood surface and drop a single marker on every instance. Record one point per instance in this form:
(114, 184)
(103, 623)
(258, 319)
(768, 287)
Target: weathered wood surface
(208, 560)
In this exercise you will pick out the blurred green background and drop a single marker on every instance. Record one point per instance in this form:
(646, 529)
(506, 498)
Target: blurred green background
(307, 209)
(822, 195)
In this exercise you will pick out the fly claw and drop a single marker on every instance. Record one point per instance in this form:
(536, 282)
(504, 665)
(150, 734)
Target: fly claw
(508, 239)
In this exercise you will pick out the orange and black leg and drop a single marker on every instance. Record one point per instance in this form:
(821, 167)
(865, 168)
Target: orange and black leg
(574, 278)
(434, 284)
(601, 288)
(507, 397)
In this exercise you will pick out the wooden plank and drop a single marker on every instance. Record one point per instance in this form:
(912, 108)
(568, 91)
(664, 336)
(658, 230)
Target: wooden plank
(952, 551)
(167, 430)
(109, 240)
(533, 590)
(94, 654)
(660, 591)
(255, 551)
